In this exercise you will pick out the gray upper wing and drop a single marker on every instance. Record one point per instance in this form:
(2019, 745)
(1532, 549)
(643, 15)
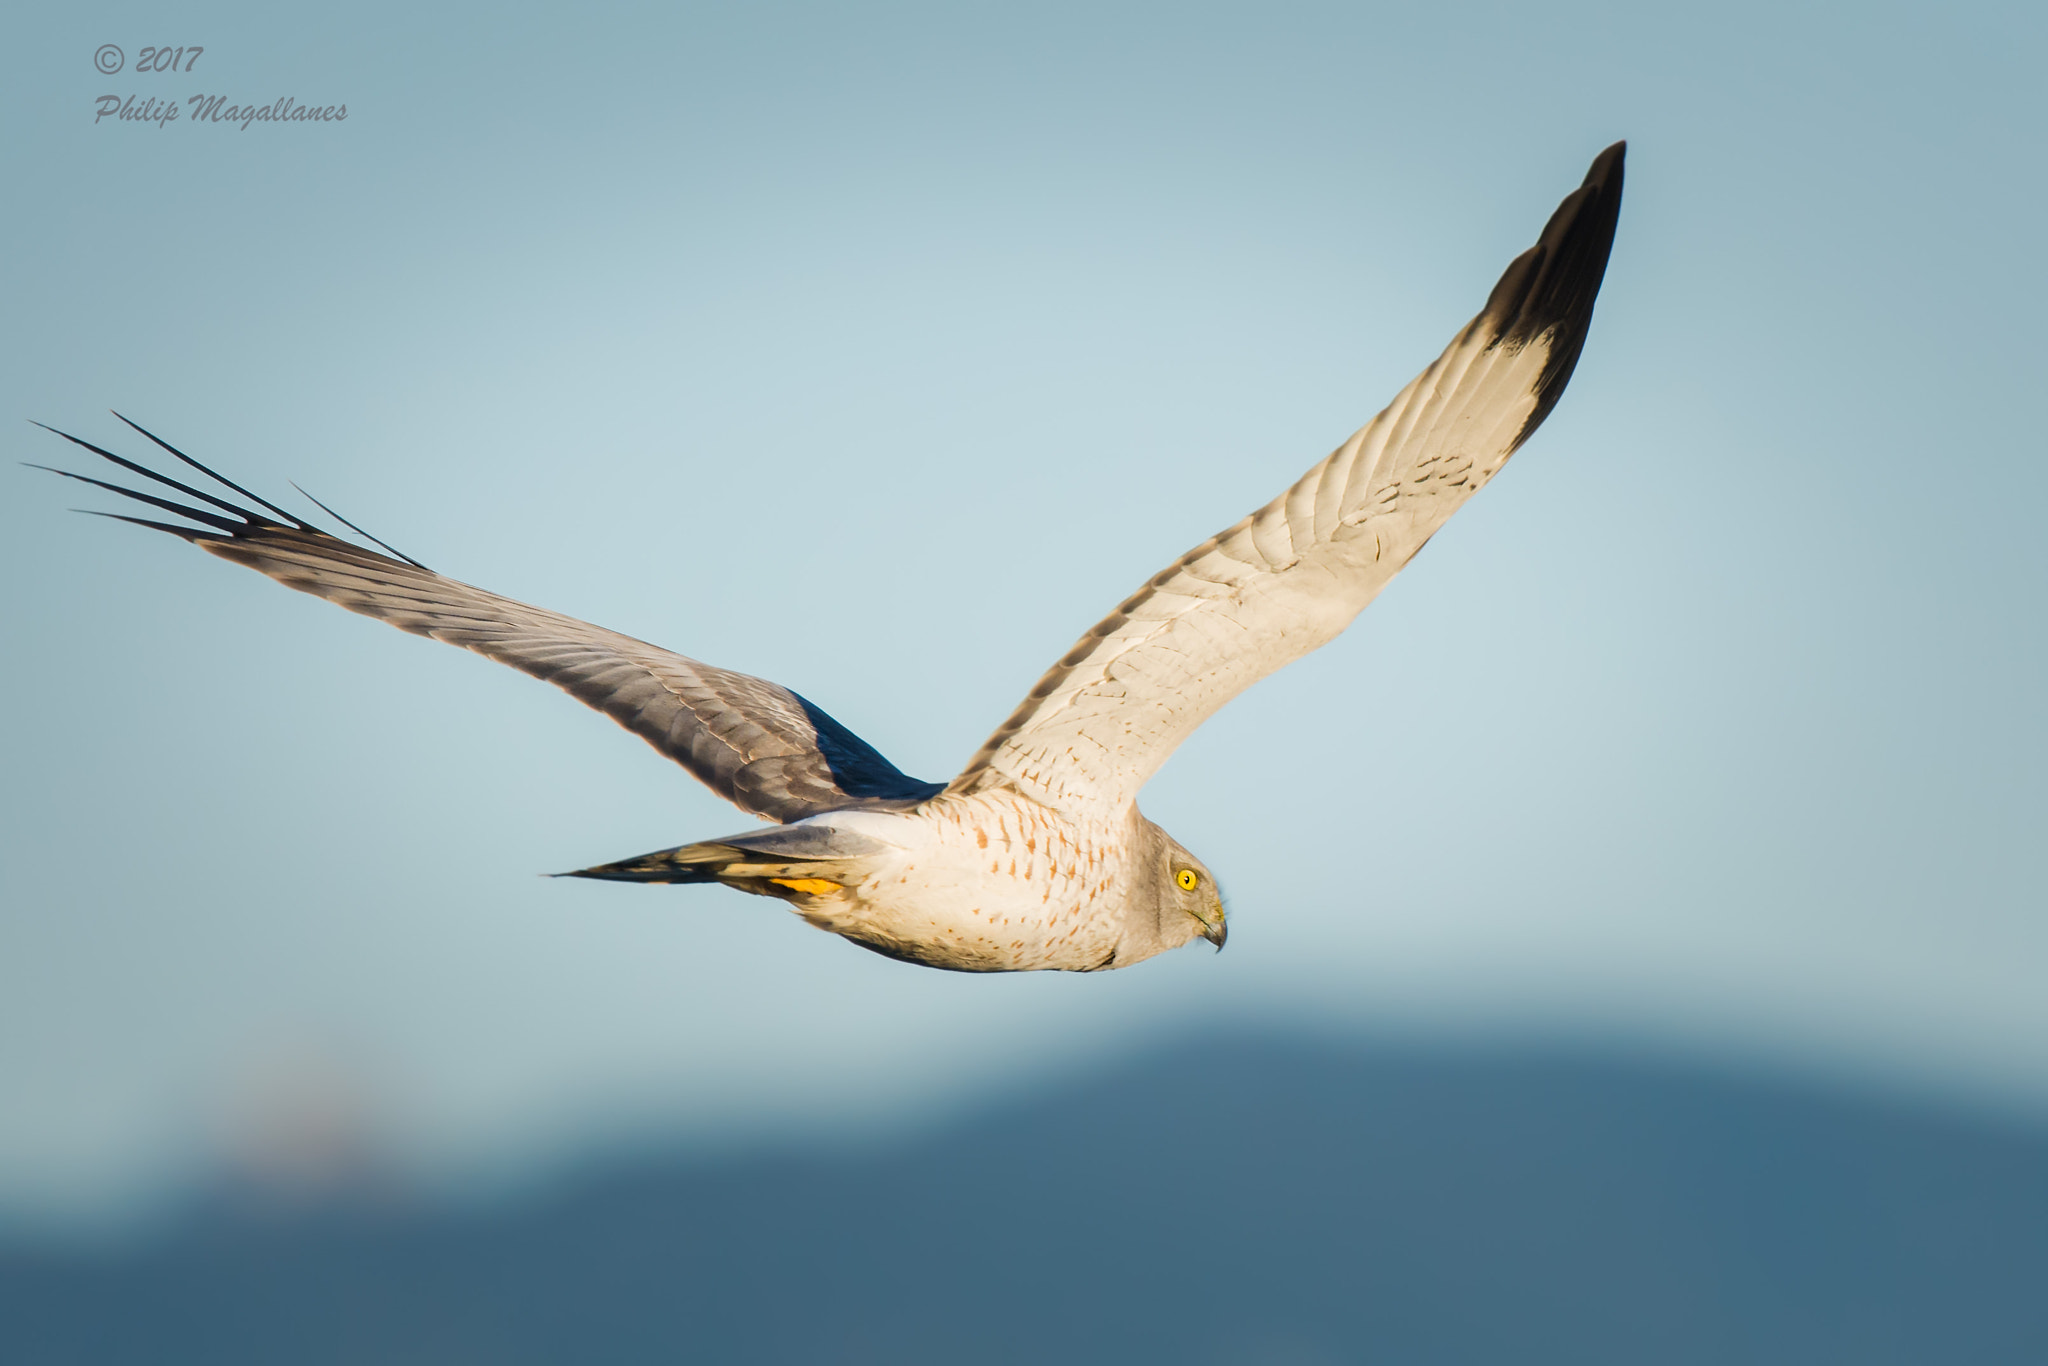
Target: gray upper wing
(1292, 575)
(755, 743)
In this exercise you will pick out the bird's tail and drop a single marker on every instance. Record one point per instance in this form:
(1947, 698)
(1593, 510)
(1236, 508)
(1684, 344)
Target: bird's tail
(807, 857)
(689, 863)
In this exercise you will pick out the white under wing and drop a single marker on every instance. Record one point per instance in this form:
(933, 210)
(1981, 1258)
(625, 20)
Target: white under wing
(1292, 575)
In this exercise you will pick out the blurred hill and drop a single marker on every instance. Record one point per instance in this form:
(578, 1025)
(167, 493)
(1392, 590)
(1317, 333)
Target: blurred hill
(1253, 1199)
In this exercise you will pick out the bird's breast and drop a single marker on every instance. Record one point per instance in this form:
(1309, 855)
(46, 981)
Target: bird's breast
(987, 883)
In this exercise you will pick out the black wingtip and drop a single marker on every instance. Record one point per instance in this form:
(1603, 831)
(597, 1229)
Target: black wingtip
(192, 534)
(225, 482)
(247, 520)
(1548, 291)
(360, 532)
(221, 524)
(248, 515)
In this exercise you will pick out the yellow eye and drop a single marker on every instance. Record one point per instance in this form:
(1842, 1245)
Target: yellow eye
(1187, 879)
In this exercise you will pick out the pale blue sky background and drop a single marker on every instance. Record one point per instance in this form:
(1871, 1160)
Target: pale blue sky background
(765, 334)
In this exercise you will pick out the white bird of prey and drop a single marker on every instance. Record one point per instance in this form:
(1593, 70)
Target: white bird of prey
(1036, 855)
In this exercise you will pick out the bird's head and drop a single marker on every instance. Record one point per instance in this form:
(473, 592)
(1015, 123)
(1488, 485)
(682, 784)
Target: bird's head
(1176, 898)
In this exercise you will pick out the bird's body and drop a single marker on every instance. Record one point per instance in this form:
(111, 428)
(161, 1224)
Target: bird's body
(1049, 891)
(1035, 856)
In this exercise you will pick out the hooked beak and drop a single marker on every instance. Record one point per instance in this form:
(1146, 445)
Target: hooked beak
(1216, 931)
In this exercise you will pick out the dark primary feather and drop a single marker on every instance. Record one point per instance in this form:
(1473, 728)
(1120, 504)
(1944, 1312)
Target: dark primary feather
(755, 743)
(1551, 287)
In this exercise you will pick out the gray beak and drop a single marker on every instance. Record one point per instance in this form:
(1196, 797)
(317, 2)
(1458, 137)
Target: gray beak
(1217, 932)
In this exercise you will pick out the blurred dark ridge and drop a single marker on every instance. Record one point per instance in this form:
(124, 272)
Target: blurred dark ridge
(1268, 1200)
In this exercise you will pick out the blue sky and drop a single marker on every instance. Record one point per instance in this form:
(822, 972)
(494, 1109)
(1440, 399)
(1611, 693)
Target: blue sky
(878, 350)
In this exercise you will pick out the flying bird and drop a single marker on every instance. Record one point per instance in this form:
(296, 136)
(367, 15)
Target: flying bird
(1036, 856)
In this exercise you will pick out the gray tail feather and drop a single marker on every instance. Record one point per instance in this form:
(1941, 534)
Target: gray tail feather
(796, 851)
(690, 863)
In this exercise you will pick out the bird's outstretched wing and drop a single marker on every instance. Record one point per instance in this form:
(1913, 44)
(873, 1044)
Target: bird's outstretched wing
(758, 745)
(1292, 575)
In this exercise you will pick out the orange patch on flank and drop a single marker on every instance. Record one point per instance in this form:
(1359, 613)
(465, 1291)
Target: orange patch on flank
(980, 838)
(810, 886)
